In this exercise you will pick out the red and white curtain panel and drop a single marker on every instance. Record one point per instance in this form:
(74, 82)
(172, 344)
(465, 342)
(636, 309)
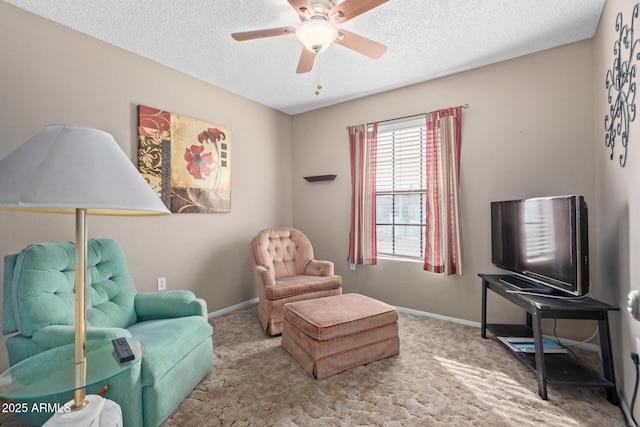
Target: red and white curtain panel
(443, 251)
(362, 237)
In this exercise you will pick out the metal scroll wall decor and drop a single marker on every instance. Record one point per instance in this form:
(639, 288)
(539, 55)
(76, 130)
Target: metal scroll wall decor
(621, 86)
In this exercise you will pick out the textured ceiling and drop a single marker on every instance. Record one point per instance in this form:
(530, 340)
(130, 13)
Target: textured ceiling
(426, 39)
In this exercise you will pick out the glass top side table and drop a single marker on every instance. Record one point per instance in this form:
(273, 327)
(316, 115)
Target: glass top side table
(52, 372)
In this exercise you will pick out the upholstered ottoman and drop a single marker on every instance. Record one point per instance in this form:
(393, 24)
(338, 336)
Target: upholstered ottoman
(332, 334)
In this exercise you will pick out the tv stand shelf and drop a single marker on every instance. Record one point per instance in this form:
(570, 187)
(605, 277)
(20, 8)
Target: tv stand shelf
(560, 369)
(556, 369)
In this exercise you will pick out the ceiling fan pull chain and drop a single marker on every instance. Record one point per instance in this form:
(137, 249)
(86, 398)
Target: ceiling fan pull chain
(318, 85)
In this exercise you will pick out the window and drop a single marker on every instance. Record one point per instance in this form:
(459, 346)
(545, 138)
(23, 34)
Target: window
(401, 188)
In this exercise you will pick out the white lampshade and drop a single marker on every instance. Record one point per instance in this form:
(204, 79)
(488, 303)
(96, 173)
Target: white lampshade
(63, 168)
(317, 34)
(81, 171)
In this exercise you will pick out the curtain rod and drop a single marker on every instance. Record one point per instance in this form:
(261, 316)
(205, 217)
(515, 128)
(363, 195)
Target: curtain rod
(465, 106)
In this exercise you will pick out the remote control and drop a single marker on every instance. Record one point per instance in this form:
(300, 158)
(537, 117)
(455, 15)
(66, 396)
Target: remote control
(123, 351)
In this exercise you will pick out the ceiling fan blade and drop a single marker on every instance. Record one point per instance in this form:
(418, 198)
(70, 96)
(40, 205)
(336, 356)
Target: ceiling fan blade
(360, 44)
(259, 34)
(307, 58)
(349, 9)
(302, 7)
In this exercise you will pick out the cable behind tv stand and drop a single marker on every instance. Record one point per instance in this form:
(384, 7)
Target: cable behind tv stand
(558, 369)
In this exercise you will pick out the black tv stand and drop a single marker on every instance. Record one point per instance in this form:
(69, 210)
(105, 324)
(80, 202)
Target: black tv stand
(557, 369)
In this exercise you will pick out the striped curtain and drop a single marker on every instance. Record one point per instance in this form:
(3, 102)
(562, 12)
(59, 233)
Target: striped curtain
(443, 252)
(362, 237)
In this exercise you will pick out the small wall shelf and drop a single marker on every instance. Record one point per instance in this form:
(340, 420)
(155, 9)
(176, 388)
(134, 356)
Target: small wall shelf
(320, 178)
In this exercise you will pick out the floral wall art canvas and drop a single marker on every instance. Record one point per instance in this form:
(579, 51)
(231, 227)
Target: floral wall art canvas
(186, 161)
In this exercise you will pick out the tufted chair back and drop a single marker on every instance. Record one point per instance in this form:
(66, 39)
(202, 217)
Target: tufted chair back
(283, 251)
(286, 271)
(39, 287)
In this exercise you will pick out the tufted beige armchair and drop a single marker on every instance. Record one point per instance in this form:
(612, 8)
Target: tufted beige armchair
(285, 272)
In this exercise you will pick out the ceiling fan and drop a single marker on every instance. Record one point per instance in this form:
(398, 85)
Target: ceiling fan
(318, 30)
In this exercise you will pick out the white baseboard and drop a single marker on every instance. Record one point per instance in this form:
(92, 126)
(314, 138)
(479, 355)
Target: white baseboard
(438, 316)
(232, 308)
(565, 341)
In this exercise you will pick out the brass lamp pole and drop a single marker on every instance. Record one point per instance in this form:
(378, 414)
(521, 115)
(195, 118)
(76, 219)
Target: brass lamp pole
(80, 351)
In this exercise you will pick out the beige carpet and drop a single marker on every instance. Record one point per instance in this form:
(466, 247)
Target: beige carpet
(445, 375)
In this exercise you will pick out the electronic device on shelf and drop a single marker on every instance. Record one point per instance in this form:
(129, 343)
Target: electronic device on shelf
(521, 284)
(543, 240)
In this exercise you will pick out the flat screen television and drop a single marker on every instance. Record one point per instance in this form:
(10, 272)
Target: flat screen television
(543, 240)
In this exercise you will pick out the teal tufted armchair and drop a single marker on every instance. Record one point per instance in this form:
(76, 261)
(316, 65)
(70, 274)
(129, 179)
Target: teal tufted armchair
(38, 313)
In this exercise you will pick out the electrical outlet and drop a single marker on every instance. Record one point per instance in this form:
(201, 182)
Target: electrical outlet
(162, 283)
(352, 267)
(638, 345)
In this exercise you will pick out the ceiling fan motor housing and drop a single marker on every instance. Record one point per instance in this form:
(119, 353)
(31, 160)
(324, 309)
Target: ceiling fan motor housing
(319, 8)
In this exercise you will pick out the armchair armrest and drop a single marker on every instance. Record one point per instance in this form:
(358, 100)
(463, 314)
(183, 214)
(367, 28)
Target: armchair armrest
(264, 276)
(161, 305)
(58, 335)
(319, 268)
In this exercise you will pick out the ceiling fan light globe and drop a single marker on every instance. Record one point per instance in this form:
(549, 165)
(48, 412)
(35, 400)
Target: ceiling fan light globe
(317, 35)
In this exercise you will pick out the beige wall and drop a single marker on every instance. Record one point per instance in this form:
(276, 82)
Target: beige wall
(531, 130)
(51, 74)
(528, 132)
(618, 202)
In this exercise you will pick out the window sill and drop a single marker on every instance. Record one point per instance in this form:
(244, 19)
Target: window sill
(393, 258)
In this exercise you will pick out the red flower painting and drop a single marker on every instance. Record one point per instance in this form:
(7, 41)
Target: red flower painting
(187, 161)
(198, 162)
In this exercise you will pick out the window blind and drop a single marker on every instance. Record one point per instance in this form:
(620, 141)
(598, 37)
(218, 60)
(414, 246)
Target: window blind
(401, 188)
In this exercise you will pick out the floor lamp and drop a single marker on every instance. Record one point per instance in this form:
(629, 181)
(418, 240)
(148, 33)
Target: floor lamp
(80, 171)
